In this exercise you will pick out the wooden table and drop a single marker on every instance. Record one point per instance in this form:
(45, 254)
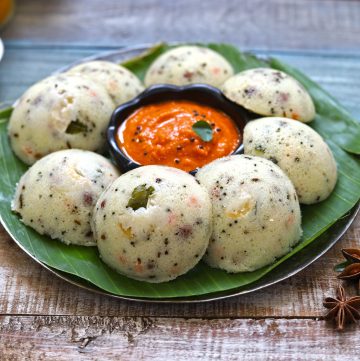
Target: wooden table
(44, 318)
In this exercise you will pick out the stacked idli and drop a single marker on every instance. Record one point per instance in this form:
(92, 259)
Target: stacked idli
(153, 223)
(188, 65)
(256, 213)
(298, 150)
(270, 92)
(120, 83)
(56, 196)
(70, 110)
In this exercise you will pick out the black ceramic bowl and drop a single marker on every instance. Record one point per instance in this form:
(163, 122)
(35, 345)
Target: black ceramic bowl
(197, 93)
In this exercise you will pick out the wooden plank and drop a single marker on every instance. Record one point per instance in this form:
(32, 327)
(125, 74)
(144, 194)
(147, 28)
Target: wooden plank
(281, 24)
(27, 288)
(117, 338)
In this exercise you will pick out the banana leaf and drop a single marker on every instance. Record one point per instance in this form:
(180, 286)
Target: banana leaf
(333, 122)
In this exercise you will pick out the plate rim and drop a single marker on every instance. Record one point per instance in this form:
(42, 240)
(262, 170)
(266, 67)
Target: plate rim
(83, 284)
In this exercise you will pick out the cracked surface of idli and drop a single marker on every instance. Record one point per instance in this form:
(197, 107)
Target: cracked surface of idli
(298, 150)
(60, 112)
(256, 213)
(153, 223)
(56, 196)
(121, 84)
(188, 65)
(270, 92)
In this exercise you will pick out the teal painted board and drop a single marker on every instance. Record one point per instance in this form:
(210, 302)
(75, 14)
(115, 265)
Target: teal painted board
(23, 65)
(267, 24)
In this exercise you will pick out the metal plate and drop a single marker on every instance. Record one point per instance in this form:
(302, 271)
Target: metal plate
(290, 267)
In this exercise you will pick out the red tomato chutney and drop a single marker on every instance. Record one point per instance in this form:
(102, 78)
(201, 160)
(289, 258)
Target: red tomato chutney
(162, 133)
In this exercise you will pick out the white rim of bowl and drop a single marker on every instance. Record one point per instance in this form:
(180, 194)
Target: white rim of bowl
(1, 49)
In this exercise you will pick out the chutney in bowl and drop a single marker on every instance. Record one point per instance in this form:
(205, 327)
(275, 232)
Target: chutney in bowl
(184, 127)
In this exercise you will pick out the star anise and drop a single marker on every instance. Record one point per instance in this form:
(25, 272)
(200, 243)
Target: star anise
(352, 268)
(351, 254)
(342, 310)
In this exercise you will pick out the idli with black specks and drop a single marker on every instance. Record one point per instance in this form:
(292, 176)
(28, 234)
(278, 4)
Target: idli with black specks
(57, 195)
(256, 213)
(60, 112)
(299, 151)
(153, 223)
(270, 92)
(121, 84)
(188, 65)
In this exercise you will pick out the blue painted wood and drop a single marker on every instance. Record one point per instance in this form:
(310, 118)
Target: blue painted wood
(23, 65)
(266, 24)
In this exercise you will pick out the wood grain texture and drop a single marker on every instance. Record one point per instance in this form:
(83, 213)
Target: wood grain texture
(266, 24)
(118, 338)
(27, 288)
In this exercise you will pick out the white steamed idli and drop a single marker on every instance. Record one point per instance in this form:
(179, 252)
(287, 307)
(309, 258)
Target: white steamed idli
(188, 65)
(256, 213)
(153, 223)
(298, 150)
(60, 112)
(270, 92)
(56, 196)
(121, 84)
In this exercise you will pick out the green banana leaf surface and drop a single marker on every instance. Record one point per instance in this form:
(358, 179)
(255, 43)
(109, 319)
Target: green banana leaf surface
(333, 122)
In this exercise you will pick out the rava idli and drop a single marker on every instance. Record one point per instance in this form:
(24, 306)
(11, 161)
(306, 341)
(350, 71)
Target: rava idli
(121, 84)
(298, 150)
(188, 65)
(270, 92)
(56, 196)
(256, 213)
(60, 112)
(153, 223)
